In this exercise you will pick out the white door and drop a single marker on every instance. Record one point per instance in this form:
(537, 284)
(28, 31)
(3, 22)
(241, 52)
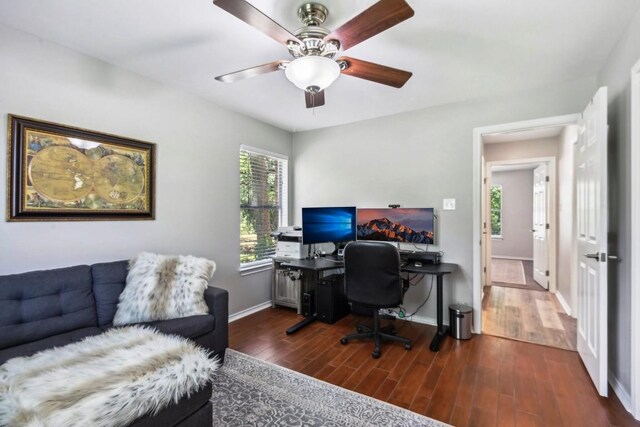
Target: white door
(591, 210)
(540, 230)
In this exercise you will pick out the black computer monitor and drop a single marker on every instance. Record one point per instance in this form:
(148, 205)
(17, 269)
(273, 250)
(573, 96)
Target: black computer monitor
(403, 225)
(329, 224)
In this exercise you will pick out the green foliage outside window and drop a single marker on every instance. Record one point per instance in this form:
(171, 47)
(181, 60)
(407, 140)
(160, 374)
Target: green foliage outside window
(261, 197)
(496, 210)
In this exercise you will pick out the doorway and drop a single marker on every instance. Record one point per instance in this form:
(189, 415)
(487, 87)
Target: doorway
(525, 293)
(520, 293)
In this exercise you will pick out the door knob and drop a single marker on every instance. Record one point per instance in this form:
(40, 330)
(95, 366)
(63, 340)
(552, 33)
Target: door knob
(593, 256)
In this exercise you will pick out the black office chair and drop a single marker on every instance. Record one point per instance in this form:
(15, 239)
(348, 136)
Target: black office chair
(373, 280)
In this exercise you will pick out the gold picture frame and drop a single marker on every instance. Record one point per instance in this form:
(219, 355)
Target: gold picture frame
(62, 173)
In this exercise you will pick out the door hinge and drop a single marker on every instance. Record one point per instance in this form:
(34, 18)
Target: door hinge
(546, 273)
(484, 269)
(485, 180)
(547, 226)
(546, 178)
(484, 224)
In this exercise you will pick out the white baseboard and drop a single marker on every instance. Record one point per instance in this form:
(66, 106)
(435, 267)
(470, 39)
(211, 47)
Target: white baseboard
(622, 394)
(244, 313)
(418, 319)
(563, 303)
(425, 320)
(512, 257)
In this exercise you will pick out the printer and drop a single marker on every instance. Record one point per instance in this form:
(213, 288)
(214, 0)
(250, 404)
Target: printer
(289, 243)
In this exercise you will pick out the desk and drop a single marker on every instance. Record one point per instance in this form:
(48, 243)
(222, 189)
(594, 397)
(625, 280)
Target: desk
(318, 265)
(315, 266)
(438, 270)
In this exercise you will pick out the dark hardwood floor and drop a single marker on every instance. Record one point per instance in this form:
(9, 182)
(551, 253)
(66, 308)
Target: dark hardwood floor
(486, 381)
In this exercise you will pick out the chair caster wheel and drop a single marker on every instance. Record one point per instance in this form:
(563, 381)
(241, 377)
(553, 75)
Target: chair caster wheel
(344, 341)
(407, 346)
(375, 354)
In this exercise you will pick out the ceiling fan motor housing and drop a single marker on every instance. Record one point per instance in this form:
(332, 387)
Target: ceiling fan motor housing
(312, 35)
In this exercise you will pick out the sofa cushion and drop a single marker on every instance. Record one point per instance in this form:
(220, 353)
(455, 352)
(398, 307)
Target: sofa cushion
(40, 304)
(45, 343)
(175, 413)
(188, 327)
(109, 279)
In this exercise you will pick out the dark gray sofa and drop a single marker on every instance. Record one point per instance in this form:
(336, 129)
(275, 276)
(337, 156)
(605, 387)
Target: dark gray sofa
(44, 309)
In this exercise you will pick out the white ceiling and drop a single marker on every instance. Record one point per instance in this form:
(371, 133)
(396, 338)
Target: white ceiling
(456, 49)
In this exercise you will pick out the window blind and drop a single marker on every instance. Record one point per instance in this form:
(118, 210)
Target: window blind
(263, 203)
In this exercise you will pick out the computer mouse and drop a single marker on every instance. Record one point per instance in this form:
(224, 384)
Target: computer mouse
(417, 264)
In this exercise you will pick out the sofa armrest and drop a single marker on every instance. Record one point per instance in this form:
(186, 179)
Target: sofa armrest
(218, 301)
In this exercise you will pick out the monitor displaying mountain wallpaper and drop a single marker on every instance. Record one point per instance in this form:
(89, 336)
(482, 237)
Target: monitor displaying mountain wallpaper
(403, 225)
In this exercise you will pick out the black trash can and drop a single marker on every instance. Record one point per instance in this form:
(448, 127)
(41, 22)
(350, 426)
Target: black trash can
(460, 321)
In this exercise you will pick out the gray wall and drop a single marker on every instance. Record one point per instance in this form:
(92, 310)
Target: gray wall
(416, 159)
(197, 169)
(616, 75)
(517, 214)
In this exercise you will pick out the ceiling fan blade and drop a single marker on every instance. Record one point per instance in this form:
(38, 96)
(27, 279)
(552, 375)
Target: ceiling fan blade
(375, 72)
(251, 72)
(252, 16)
(314, 99)
(378, 18)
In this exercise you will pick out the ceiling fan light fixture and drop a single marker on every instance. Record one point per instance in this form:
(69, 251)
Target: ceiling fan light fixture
(315, 72)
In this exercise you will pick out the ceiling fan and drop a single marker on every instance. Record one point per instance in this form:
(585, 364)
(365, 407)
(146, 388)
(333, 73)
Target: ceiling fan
(313, 47)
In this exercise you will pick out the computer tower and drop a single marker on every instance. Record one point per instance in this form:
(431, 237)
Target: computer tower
(332, 302)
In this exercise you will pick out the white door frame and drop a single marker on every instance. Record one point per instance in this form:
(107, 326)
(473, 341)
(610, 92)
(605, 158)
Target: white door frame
(478, 134)
(551, 203)
(635, 240)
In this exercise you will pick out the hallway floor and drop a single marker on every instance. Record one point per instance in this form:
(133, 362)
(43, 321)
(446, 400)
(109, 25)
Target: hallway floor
(525, 313)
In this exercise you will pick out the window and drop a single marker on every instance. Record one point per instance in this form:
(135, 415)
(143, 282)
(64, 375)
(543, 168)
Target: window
(496, 211)
(263, 203)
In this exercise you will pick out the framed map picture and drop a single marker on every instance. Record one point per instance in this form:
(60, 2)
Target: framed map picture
(62, 173)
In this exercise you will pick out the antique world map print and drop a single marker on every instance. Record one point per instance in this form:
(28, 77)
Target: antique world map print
(77, 174)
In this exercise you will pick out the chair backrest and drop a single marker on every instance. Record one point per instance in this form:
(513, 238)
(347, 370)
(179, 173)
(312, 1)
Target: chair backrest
(372, 274)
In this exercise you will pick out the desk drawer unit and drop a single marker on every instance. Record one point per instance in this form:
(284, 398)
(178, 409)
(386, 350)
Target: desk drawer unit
(287, 291)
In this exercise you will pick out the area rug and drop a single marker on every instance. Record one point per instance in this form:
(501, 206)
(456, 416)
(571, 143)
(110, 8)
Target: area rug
(507, 271)
(251, 392)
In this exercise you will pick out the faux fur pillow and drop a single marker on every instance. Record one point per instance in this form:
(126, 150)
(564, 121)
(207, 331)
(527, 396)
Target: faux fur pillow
(161, 287)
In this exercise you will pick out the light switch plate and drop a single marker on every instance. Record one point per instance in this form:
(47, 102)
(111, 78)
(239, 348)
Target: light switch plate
(449, 204)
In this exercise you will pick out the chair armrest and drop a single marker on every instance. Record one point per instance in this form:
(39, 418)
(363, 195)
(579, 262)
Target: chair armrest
(217, 300)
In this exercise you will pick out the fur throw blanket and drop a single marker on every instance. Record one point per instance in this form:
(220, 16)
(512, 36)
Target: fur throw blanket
(105, 380)
(161, 287)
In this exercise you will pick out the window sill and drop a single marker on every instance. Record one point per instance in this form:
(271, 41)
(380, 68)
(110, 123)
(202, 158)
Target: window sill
(497, 238)
(255, 268)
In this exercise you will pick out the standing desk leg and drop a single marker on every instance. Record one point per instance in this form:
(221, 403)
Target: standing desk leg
(441, 331)
(312, 312)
